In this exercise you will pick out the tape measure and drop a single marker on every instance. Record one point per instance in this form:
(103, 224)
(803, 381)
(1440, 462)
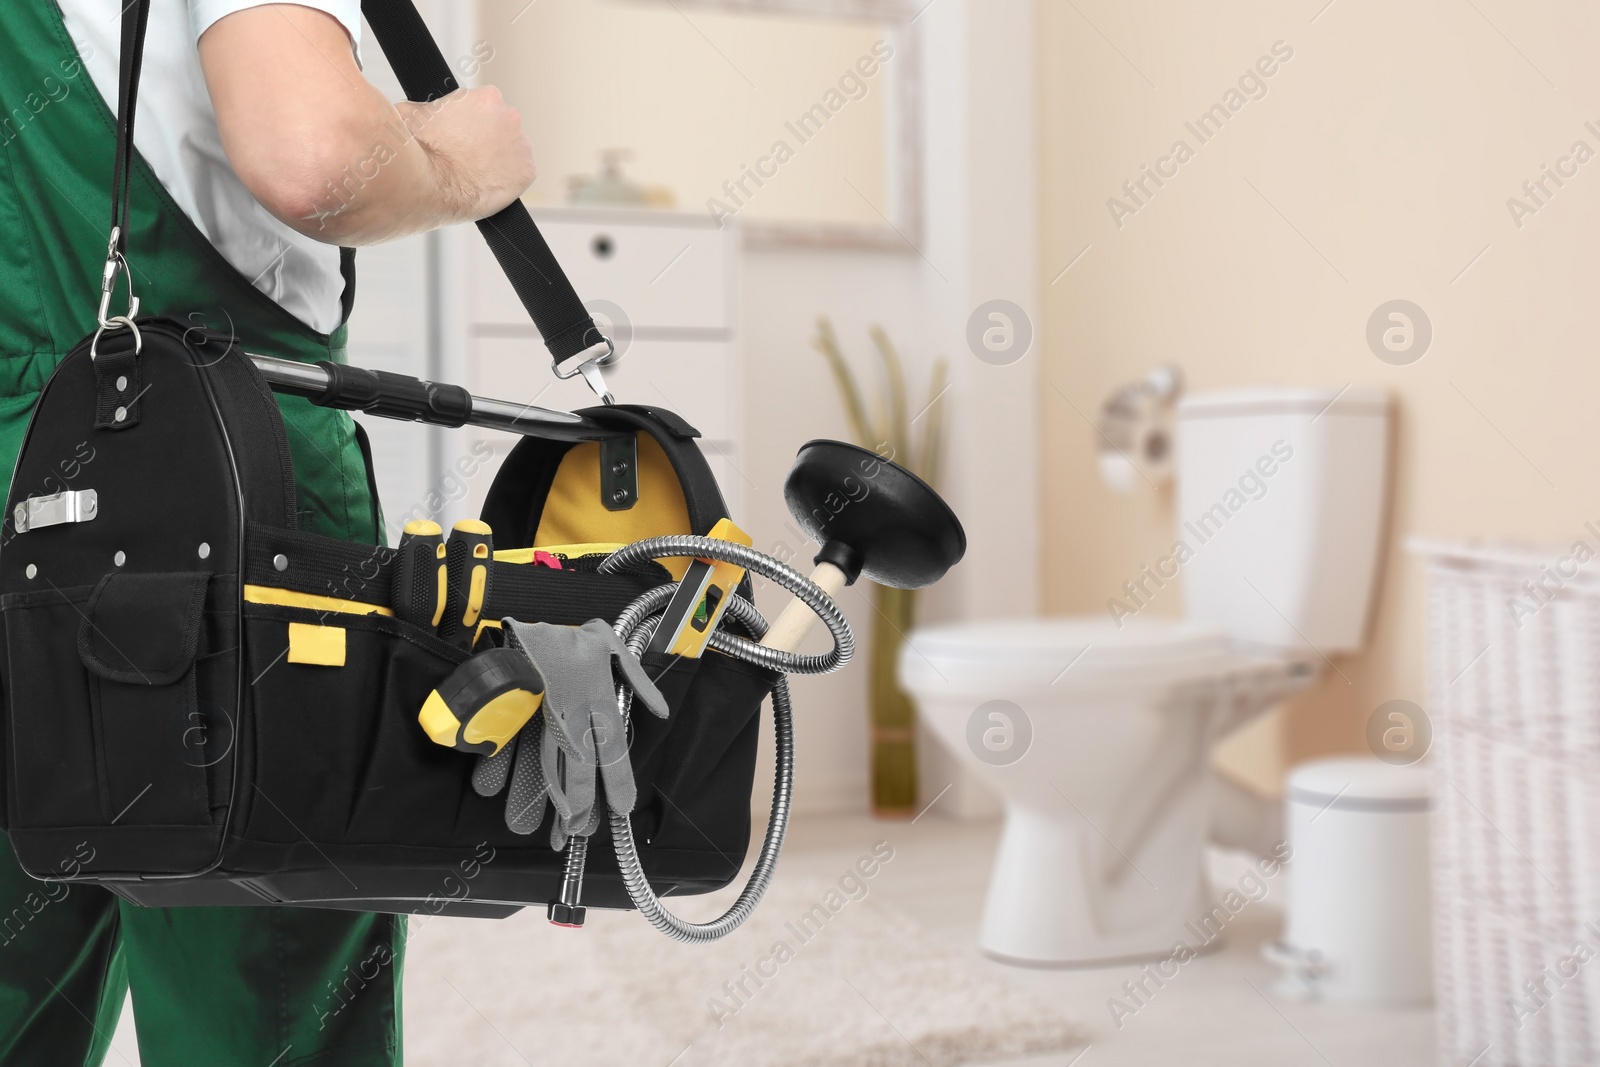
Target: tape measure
(484, 702)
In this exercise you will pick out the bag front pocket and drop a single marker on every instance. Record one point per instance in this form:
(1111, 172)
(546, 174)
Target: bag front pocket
(138, 639)
(54, 779)
(100, 689)
(339, 757)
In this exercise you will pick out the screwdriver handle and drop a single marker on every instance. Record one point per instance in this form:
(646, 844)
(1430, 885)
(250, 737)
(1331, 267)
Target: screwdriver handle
(469, 556)
(419, 577)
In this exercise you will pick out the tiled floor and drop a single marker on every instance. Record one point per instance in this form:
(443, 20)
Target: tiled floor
(1219, 1010)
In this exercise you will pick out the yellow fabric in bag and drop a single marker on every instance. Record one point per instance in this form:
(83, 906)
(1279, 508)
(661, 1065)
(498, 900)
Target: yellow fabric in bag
(574, 514)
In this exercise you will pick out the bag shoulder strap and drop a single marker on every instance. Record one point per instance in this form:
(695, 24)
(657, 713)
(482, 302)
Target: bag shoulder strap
(568, 330)
(134, 19)
(542, 286)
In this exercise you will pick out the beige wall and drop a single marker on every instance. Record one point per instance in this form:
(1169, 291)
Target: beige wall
(1377, 166)
(696, 95)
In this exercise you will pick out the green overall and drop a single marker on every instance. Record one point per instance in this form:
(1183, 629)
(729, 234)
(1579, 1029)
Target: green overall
(212, 987)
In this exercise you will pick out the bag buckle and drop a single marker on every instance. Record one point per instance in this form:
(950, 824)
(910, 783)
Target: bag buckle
(588, 363)
(115, 264)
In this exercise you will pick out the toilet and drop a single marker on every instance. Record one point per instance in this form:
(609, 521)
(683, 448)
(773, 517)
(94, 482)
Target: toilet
(1096, 731)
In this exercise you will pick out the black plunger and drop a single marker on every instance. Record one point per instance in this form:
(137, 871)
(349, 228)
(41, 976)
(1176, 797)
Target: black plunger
(872, 517)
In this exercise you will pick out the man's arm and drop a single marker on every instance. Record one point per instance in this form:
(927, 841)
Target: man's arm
(324, 151)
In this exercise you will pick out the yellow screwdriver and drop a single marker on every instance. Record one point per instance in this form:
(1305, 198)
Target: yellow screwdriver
(469, 557)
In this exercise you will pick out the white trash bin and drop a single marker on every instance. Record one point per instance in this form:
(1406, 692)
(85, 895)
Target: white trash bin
(1359, 909)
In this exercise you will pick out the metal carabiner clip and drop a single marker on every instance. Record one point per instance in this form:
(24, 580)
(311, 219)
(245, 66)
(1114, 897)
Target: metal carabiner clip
(115, 264)
(588, 363)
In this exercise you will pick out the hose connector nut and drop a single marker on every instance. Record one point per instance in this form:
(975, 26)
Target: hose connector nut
(568, 915)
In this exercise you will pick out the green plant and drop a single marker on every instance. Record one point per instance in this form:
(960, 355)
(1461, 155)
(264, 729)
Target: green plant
(884, 426)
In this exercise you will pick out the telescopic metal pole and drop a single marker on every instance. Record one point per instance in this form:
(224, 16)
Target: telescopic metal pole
(400, 396)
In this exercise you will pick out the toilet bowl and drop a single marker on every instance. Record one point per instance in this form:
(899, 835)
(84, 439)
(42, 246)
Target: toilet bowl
(1098, 740)
(1096, 732)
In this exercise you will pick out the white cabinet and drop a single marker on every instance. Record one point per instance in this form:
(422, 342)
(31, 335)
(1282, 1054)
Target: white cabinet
(670, 272)
(667, 281)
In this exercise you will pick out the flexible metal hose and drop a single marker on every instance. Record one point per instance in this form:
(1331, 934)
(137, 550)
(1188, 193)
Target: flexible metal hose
(635, 626)
(804, 589)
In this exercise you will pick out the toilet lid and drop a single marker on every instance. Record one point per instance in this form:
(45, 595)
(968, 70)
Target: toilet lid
(1084, 641)
(1278, 400)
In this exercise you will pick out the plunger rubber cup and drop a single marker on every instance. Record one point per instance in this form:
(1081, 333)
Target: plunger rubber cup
(872, 517)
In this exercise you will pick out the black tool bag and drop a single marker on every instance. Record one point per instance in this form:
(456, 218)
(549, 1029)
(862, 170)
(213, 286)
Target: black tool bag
(205, 705)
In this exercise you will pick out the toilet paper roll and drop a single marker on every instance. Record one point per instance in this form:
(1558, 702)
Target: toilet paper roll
(1135, 432)
(1117, 471)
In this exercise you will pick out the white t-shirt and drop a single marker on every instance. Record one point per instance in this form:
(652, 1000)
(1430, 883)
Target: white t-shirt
(176, 132)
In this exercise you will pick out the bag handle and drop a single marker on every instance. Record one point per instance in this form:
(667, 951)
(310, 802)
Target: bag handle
(576, 345)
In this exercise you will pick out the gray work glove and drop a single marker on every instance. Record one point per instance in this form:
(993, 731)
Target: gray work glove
(525, 805)
(579, 736)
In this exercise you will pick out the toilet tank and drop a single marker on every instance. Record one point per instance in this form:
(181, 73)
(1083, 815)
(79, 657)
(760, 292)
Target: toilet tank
(1281, 497)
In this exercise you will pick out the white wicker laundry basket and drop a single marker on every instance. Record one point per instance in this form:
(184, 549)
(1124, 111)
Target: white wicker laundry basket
(1514, 694)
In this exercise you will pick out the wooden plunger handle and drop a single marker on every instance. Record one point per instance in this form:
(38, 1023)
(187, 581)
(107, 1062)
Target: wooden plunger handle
(797, 619)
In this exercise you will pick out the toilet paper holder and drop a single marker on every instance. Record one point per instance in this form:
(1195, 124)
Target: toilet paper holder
(1303, 970)
(1134, 429)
